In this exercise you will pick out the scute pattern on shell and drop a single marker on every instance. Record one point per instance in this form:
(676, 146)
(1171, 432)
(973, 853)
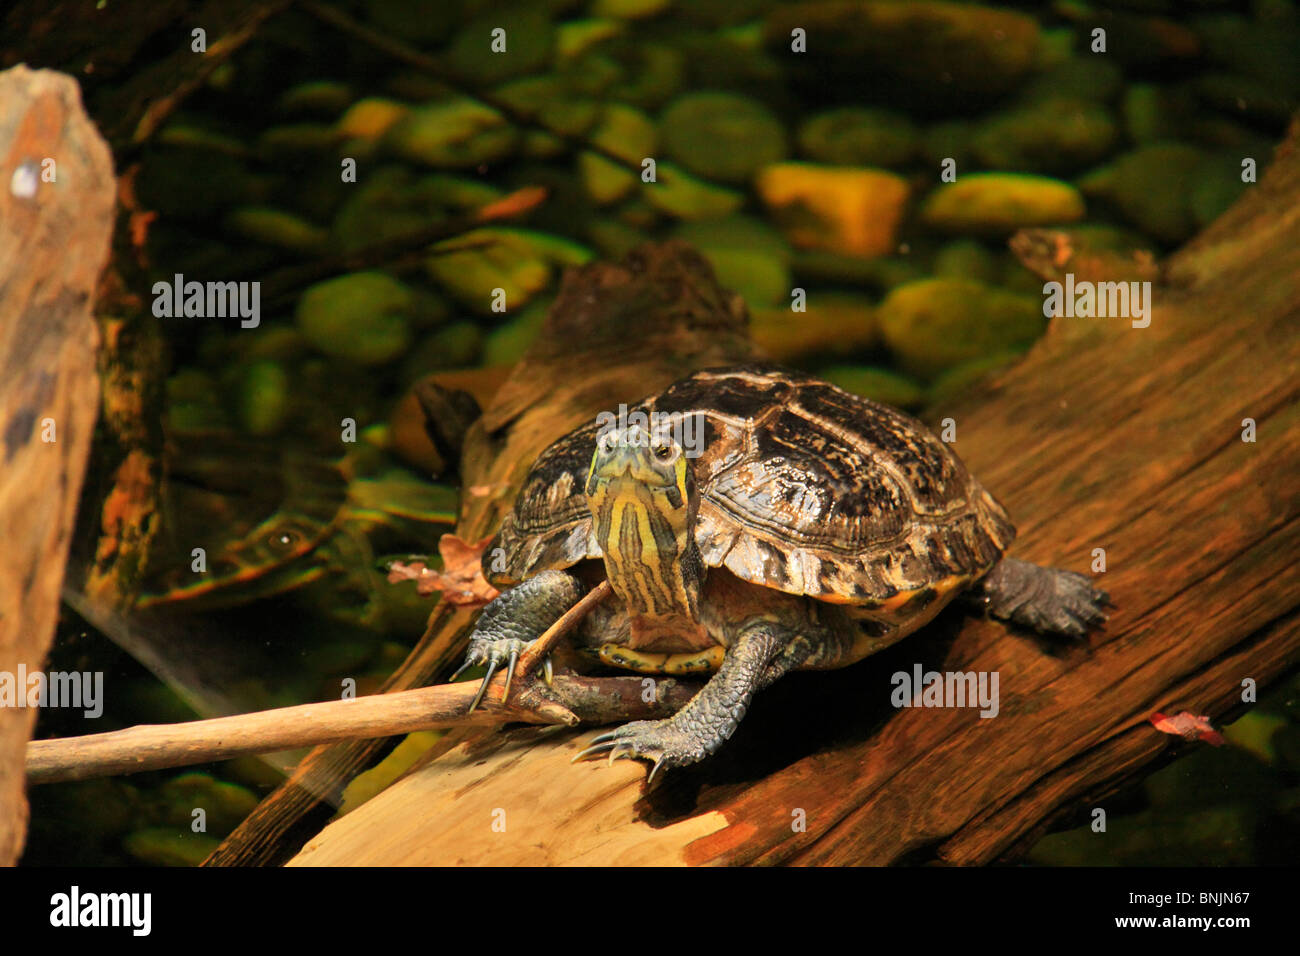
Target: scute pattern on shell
(804, 488)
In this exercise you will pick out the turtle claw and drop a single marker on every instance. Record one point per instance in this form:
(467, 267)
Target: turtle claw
(656, 740)
(495, 654)
(482, 688)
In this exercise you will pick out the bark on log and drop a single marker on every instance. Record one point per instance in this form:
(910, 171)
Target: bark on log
(1106, 436)
(54, 241)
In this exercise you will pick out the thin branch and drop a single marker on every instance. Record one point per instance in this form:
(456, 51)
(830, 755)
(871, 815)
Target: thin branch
(570, 701)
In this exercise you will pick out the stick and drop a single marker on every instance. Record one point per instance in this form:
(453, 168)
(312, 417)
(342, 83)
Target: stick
(570, 701)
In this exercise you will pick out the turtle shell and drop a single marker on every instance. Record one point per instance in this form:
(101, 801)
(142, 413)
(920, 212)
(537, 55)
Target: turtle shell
(803, 487)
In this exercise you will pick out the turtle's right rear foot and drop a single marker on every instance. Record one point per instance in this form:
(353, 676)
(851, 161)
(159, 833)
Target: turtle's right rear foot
(1046, 600)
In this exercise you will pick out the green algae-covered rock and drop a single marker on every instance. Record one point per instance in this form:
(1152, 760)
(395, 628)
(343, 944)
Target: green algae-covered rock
(654, 73)
(681, 195)
(529, 44)
(951, 139)
(262, 397)
(1049, 136)
(629, 9)
(456, 345)
(1089, 77)
(879, 272)
(324, 98)
(507, 344)
(960, 379)
(996, 203)
(298, 139)
(748, 255)
(472, 267)
(276, 227)
(453, 134)
(369, 119)
(721, 136)
(363, 317)
(627, 133)
(1154, 112)
(224, 804)
(933, 50)
(966, 259)
(170, 846)
(936, 324)
(1151, 187)
(833, 323)
(877, 384)
(852, 136)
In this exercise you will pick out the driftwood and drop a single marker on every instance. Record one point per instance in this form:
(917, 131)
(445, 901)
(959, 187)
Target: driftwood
(613, 331)
(54, 240)
(1106, 436)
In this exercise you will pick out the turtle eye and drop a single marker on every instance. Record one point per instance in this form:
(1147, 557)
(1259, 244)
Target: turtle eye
(663, 450)
(282, 541)
(606, 442)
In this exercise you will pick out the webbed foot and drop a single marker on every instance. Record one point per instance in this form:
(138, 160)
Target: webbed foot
(1046, 600)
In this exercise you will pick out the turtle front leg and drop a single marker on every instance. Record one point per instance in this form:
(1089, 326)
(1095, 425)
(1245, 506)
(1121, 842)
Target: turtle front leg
(513, 620)
(1046, 600)
(763, 651)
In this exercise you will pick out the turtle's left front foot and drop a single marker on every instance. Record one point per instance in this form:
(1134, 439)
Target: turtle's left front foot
(664, 742)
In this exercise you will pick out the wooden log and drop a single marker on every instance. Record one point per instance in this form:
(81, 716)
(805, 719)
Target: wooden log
(1106, 436)
(56, 217)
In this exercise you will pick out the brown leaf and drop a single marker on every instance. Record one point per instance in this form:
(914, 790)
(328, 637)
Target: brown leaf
(1188, 726)
(461, 580)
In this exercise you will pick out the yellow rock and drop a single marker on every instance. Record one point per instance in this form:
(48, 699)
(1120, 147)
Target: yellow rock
(369, 119)
(852, 211)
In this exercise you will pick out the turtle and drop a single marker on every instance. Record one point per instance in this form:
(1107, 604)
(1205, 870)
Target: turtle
(752, 520)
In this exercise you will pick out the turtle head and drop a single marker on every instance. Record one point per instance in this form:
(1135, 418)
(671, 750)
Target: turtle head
(643, 500)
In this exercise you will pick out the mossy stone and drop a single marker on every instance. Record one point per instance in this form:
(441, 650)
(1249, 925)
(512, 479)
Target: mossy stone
(323, 98)
(472, 267)
(1151, 187)
(225, 804)
(453, 134)
(966, 259)
(962, 378)
(721, 136)
(877, 384)
(1089, 77)
(681, 195)
(276, 227)
(507, 344)
(833, 323)
(853, 136)
(169, 846)
(529, 40)
(748, 256)
(999, 203)
(262, 397)
(627, 133)
(370, 118)
(363, 317)
(1050, 136)
(936, 324)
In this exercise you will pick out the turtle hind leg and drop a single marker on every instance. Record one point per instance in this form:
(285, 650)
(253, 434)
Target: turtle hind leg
(761, 653)
(1046, 600)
